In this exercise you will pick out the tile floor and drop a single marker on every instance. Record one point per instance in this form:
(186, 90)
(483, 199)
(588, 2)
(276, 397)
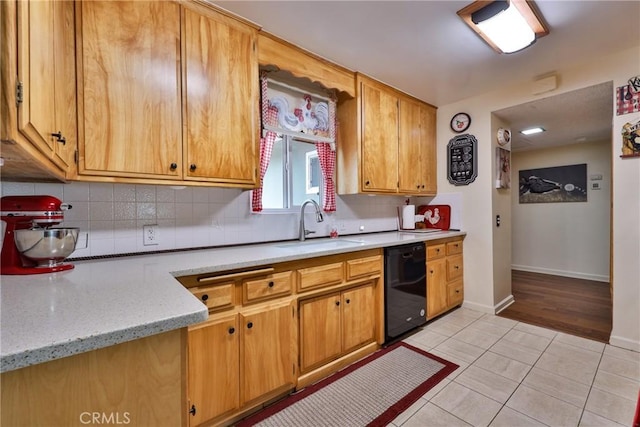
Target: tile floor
(514, 374)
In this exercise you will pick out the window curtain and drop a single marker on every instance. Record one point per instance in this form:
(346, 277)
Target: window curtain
(269, 116)
(327, 158)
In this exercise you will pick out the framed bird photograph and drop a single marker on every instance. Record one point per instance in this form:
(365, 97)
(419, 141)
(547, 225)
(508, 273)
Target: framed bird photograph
(553, 184)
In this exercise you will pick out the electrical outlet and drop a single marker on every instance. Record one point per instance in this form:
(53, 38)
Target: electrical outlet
(150, 234)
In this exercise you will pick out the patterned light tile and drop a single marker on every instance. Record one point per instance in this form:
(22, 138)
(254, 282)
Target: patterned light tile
(426, 339)
(461, 363)
(489, 328)
(487, 383)
(535, 342)
(499, 321)
(409, 412)
(544, 408)
(433, 416)
(466, 404)
(461, 350)
(507, 417)
(616, 384)
(623, 367)
(559, 387)
(444, 327)
(502, 365)
(568, 366)
(536, 330)
(580, 342)
(477, 338)
(517, 352)
(612, 407)
(589, 419)
(622, 353)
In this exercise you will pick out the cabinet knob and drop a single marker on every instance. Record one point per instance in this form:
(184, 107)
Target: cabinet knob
(456, 267)
(457, 291)
(192, 167)
(204, 297)
(438, 250)
(192, 411)
(418, 186)
(337, 303)
(348, 301)
(271, 284)
(423, 186)
(367, 183)
(249, 325)
(59, 138)
(430, 271)
(232, 330)
(173, 166)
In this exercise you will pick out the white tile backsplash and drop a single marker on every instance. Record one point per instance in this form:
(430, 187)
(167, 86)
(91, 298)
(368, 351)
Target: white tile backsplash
(113, 215)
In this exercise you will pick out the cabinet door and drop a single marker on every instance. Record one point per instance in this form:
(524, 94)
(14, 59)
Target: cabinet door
(221, 90)
(410, 167)
(436, 287)
(320, 336)
(267, 343)
(129, 108)
(47, 73)
(416, 148)
(358, 317)
(379, 139)
(428, 148)
(213, 369)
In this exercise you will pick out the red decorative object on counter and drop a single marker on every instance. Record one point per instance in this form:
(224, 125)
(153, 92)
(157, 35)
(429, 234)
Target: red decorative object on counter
(436, 216)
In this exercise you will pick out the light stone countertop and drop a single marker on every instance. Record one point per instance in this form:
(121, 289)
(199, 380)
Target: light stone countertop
(109, 301)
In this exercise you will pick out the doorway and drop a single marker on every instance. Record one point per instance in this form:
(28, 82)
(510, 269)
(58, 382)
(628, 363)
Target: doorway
(561, 250)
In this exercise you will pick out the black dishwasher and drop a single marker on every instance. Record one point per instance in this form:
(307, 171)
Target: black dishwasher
(405, 286)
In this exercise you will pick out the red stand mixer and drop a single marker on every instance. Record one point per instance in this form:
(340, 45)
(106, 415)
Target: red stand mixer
(31, 245)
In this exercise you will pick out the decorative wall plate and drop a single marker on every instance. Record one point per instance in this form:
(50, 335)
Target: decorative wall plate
(460, 122)
(504, 136)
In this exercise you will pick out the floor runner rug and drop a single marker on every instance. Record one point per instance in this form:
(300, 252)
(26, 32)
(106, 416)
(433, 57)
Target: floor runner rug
(370, 392)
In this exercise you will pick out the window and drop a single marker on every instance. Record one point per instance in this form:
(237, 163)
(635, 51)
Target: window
(293, 175)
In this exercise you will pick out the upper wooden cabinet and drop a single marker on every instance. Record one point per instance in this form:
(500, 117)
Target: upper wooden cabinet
(221, 98)
(129, 89)
(167, 91)
(38, 89)
(386, 143)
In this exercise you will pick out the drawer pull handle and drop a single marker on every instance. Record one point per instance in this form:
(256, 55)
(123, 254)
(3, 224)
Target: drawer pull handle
(192, 167)
(271, 284)
(239, 275)
(438, 250)
(232, 330)
(204, 297)
(250, 325)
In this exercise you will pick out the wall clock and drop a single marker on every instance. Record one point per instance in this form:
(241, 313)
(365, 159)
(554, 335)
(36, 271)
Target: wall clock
(460, 122)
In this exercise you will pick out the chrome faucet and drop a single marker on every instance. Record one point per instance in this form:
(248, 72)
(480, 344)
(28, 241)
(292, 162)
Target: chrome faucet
(319, 218)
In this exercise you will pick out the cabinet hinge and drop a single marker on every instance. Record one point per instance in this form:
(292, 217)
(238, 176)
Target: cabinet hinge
(19, 93)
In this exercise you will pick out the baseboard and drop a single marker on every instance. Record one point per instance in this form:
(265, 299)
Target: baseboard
(504, 304)
(624, 343)
(572, 274)
(478, 307)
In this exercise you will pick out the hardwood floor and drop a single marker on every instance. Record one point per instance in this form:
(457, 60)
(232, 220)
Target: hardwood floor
(575, 306)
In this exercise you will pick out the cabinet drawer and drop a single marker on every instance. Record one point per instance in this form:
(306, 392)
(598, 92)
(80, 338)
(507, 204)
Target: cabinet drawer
(264, 288)
(435, 251)
(454, 248)
(455, 291)
(321, 275)
(216, 296)
(454, 267)
(363, 266)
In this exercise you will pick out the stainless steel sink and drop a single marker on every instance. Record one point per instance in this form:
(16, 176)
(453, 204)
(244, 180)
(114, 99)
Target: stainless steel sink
(321, 244)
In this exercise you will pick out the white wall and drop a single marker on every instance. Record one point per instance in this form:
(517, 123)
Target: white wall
(565, 239)
(480, 289)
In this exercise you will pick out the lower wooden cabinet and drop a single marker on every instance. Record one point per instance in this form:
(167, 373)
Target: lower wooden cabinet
(335, 324)
(445, 287)
(237, 359)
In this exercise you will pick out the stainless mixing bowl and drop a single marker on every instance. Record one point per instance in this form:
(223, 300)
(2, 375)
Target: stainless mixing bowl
(47, 246)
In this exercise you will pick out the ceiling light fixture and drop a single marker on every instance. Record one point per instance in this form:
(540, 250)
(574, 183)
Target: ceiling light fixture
(531, 131)
(506, 25)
